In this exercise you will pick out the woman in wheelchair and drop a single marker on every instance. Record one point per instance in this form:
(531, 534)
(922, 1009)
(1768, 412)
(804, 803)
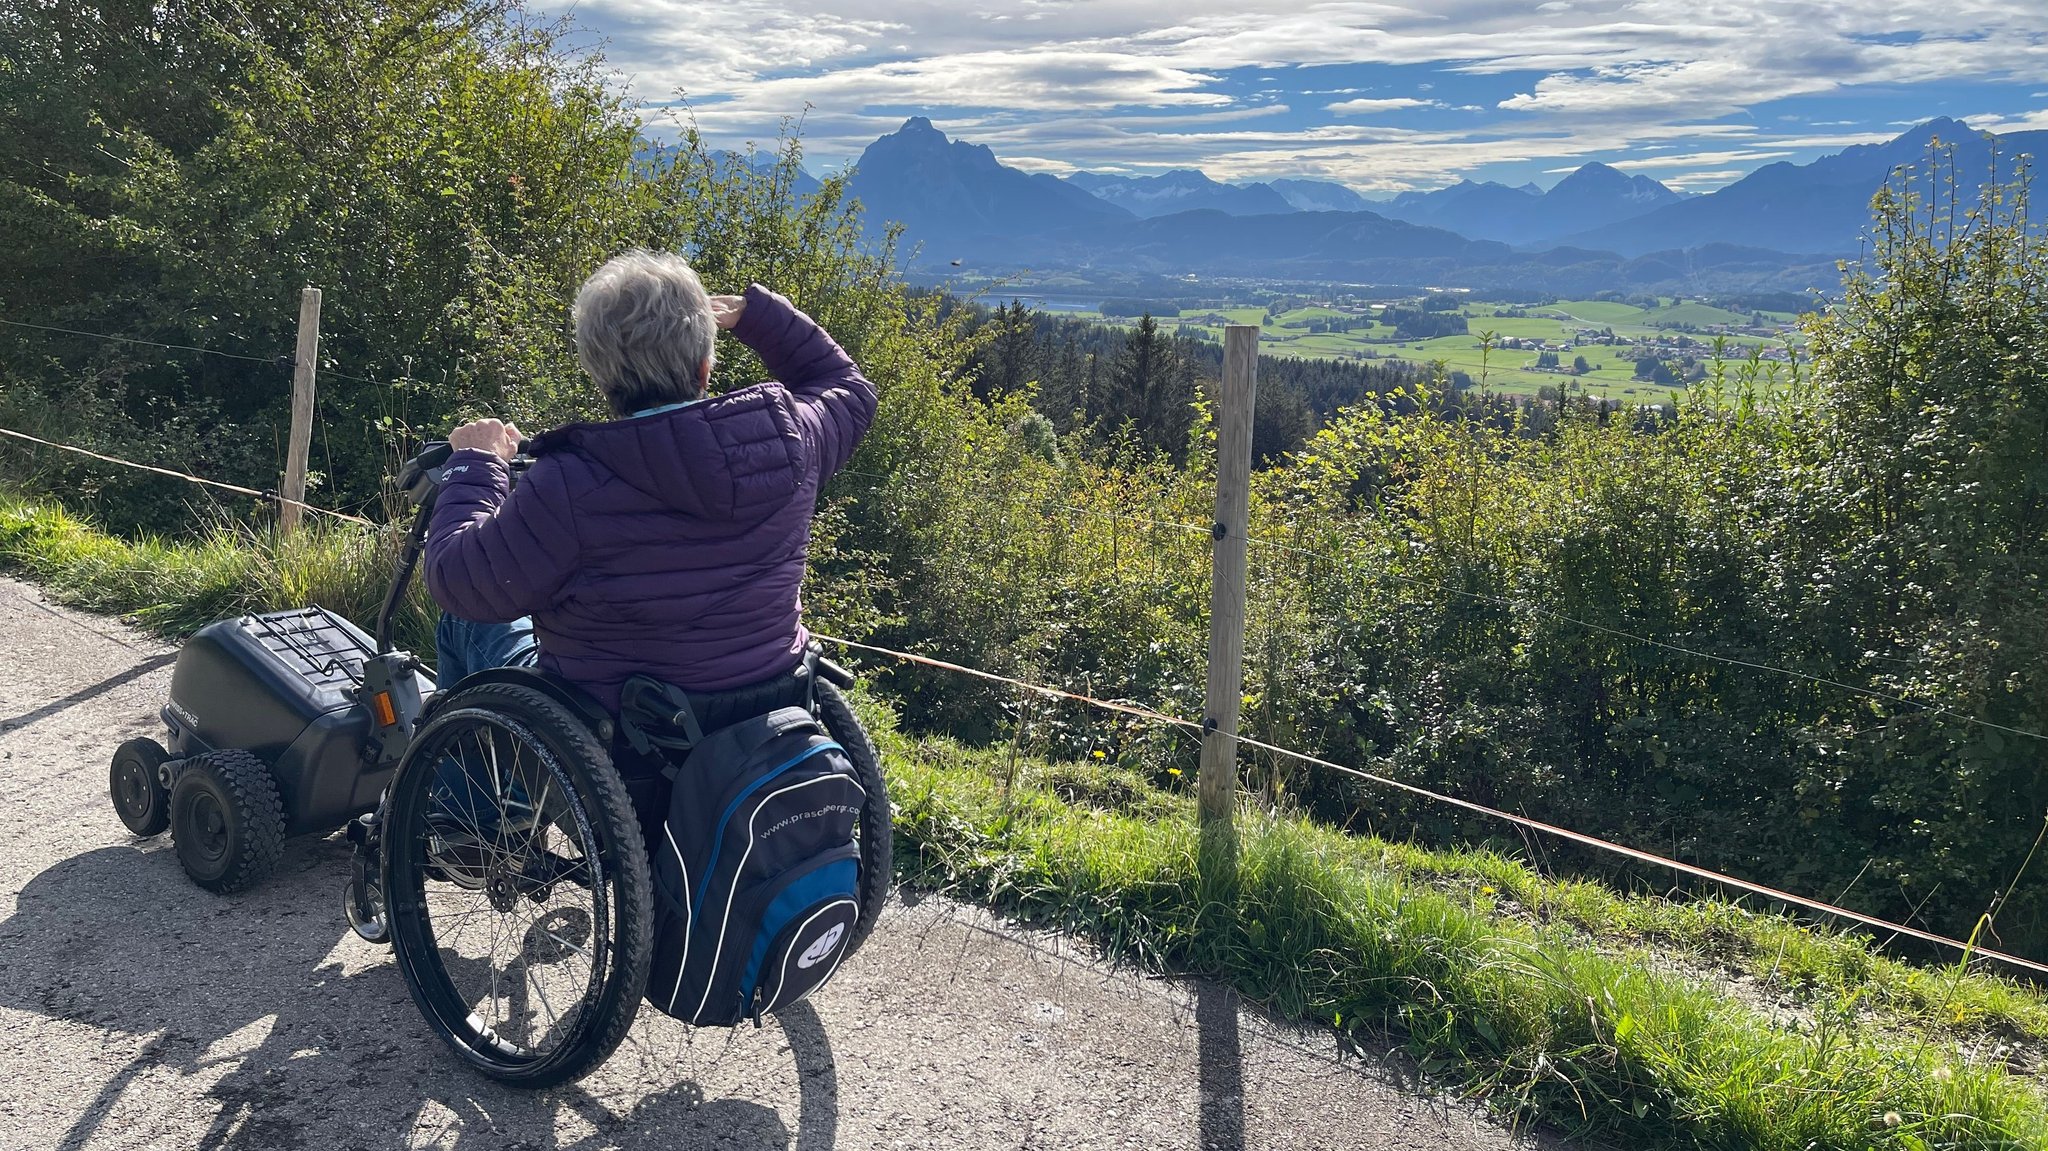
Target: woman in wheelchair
(669, 541)
(661, 551)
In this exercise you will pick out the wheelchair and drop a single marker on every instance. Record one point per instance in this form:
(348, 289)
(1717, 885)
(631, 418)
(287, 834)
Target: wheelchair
(500, 825)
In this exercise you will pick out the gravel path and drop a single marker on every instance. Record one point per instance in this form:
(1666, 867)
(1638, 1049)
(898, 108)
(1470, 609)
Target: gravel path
(137, 1011)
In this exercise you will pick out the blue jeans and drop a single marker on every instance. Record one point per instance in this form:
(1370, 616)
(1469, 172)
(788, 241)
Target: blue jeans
(461, 647)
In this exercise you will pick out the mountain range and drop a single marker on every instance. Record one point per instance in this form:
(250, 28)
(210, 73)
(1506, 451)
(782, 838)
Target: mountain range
(1781, 227)
(1185, 190)
(1592, 196)
(1822, 206)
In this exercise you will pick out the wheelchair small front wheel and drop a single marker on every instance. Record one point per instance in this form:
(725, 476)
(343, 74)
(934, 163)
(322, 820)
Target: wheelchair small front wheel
(516, 887)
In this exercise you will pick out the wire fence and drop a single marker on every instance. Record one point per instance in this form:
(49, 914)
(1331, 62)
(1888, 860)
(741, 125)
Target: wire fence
(281, 361)
(1635, 855)
(185, 476)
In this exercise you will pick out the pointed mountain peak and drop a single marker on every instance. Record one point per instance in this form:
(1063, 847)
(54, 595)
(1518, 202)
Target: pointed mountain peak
(1939, 126)
(1593, 175)
(1602, 180)
(917, 125)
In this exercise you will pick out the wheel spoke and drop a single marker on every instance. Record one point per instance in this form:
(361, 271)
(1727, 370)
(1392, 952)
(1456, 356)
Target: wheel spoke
(515, 916)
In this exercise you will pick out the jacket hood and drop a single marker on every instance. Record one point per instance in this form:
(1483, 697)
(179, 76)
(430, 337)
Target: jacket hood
(734, 457)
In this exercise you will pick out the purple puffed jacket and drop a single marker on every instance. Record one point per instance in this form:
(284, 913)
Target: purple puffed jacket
(672, 544)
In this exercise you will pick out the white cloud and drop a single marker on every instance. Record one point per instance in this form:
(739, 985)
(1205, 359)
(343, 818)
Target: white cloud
(1386, 104)
(2024, 122)
(1703, 181)
(1040, 164)
(1086, 83)
(1695, 159)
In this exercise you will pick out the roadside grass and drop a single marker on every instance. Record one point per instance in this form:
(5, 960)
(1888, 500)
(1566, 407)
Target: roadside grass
(1527, 1012)
(1554, 999)
(173, 588)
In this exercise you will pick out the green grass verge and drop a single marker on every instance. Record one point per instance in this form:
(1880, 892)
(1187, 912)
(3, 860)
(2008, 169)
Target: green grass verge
(1559, 1001)
(173, 588)
(1533, 1014)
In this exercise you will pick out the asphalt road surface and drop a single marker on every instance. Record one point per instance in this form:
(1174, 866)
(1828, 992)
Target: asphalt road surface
(137, 1011)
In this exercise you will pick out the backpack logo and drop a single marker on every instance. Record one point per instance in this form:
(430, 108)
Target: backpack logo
(816, 952)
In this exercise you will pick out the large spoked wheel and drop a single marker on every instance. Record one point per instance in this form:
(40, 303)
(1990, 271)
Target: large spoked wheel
(877, 822)
(516, 886)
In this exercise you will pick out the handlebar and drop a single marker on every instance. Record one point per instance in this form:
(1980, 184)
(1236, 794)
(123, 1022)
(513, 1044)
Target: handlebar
(420, 478)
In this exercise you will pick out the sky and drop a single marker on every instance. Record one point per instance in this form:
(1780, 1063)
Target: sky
(1383, 97)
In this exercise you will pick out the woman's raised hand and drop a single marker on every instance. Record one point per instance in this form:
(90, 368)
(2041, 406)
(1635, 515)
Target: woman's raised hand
(497, 437)
(726, 310)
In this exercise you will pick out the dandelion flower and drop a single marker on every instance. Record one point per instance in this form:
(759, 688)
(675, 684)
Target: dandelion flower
(1173, 771)
(1944, 1074)
(1893, 1119)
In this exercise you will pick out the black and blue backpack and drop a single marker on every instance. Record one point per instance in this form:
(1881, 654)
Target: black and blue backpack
(756, 863)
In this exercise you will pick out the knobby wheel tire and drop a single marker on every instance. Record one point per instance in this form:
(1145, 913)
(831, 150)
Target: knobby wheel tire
(516, 886)
(227, 822)
(877, 820)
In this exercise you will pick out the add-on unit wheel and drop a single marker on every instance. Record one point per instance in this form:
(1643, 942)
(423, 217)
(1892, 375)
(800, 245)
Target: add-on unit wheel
(227, 822)
(877, 822)
(135, 783)
(516, 887)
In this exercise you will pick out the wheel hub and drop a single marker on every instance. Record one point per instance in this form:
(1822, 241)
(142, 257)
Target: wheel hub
(502, 886)
(134, 789)
(209, 826)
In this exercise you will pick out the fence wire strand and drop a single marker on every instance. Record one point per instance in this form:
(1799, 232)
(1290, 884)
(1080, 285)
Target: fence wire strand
(1968, 950)
(187, 477)
(1733, 661)
(282, 360)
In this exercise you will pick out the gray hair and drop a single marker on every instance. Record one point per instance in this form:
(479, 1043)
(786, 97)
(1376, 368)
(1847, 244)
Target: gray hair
(644, 330)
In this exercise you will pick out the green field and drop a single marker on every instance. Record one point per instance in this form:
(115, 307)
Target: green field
(1503, 369)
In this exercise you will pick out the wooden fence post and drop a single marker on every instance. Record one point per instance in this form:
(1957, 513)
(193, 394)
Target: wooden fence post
(1218, 781)
(290, 509)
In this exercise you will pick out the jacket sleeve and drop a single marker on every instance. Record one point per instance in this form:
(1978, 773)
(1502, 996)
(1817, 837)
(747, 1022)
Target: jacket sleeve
(494, 552)
(834, 402)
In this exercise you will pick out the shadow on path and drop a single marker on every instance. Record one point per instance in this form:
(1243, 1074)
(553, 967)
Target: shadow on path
(243, 992)
(1222, 1077)
(85, 693)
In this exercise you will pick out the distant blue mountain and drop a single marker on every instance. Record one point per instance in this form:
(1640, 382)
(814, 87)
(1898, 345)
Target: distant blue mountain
(958, 203)
(1462, 207)
(1320, 196)
(1819, 207)
(1180, 190)
(1593, 195)
(1186, 190)
(767, 162)
(956, 199)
